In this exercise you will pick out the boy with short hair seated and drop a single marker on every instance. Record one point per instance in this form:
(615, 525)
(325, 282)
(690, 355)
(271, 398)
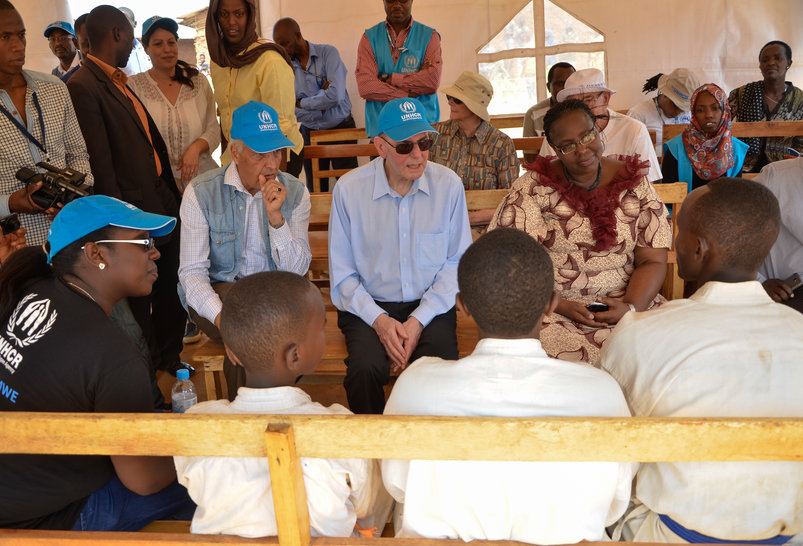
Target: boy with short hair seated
(272, 324)
(506, 283)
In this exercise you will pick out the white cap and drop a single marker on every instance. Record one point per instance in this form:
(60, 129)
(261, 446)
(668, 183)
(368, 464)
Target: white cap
(587, 80)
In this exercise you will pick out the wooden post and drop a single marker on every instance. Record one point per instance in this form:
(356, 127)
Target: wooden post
(287, 483)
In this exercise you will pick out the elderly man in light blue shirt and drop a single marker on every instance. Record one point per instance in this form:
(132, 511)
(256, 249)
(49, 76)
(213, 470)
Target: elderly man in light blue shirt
(397, 230)
(322, 101)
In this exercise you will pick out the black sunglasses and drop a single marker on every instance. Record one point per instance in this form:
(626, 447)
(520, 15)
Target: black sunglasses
(405, 146)
(453, 99)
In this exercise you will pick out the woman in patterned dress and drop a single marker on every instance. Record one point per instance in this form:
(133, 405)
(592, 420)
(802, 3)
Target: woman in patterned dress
(180, 102)
(603, 224)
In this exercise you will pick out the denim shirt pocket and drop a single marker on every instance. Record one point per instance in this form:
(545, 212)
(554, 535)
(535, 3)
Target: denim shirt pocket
(222, 249)
(431, 250)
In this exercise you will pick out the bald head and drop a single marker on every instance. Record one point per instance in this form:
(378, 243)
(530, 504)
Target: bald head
(111, 35)
(6, 5)
(287, 34)
(738, 219)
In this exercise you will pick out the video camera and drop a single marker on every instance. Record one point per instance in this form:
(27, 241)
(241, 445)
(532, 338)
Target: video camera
(59, 185)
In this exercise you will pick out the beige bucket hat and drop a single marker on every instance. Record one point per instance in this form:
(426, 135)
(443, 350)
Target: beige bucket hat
(474, 90)
(678, 86)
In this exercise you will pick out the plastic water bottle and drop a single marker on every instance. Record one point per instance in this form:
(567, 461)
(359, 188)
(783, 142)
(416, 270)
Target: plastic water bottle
(184, 394)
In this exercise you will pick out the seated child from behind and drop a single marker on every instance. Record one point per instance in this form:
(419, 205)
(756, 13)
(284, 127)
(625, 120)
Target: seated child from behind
(506, 283)
(272, 325)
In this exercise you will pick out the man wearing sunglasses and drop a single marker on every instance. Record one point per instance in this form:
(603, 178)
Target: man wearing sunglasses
(398, 58)
(397, 230)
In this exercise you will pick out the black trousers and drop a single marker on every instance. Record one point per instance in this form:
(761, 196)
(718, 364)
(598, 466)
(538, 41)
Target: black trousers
(337, 163)
(160, 314)
(367, 364)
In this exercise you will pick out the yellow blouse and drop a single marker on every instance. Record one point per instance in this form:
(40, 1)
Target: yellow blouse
(269, 79)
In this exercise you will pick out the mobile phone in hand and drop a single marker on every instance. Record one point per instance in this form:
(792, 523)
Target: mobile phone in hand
(597, 307)
(794, 282)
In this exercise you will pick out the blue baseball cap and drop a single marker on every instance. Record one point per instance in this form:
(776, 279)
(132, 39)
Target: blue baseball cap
(87, 214)
(257, 124)
(61, 25)
(401, 119)
(157, 22)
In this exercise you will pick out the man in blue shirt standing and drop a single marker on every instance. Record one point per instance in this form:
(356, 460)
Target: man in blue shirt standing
(397, 230)
(322, 101)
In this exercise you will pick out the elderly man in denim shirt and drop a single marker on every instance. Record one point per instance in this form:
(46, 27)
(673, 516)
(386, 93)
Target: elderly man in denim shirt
(241, 219)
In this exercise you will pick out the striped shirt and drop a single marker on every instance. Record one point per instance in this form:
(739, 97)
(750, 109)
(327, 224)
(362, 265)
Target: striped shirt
(62, 139)
(484, 161)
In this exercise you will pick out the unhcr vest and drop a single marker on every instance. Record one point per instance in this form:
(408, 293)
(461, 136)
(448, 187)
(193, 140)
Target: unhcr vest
(410, 59)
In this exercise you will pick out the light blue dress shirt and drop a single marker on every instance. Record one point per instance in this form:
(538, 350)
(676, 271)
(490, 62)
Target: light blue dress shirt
(390, 248)
(321, 108)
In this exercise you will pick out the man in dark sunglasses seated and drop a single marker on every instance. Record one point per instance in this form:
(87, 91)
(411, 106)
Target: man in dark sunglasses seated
(397, 230)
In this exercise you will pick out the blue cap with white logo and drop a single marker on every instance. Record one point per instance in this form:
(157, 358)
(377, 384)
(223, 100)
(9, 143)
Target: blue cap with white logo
(401, 119)
(61, 25)
(257, 125)
(87, 214)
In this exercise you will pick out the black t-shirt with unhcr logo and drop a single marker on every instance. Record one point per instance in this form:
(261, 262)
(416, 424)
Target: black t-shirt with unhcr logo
(59, 352)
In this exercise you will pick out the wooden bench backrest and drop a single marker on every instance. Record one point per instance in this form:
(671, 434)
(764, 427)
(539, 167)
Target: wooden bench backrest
(741, 129)
(488, 200)
(284, 439)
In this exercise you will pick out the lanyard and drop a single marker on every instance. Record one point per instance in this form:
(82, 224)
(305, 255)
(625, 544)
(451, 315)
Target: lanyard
(401, 49)
(23, 129)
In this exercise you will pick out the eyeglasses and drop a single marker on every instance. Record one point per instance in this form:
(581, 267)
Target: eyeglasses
(453, 99)
(585, 140)
(62, 39)
(405, 146)
(147, 243)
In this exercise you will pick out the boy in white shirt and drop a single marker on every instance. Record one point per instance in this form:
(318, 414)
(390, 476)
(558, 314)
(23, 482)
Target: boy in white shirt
(272, 324)
(506, 282)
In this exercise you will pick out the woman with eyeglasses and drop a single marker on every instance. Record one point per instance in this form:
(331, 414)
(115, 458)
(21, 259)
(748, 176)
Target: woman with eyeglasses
(180, 101)
(602, 223)
(246, 67)
(60, 352)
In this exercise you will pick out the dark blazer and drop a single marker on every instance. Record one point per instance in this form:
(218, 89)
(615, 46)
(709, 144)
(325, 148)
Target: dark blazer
(120, 153)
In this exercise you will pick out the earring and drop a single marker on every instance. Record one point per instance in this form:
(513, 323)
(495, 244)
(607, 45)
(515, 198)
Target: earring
(101, 266)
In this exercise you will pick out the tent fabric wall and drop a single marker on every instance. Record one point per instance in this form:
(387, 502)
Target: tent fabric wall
(718, 39)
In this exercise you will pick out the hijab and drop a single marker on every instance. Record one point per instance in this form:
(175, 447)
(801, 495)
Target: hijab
(225, 54)
(710, 157)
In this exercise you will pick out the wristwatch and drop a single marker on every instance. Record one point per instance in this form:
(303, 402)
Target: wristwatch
(281, 224)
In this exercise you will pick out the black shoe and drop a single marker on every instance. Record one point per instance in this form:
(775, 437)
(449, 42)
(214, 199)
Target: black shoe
(180, 365)
(192, 334)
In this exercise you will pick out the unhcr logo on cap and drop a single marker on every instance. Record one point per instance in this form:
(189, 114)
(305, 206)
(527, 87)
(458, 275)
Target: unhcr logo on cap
(409, 111)
(267, 121)
(264, 117)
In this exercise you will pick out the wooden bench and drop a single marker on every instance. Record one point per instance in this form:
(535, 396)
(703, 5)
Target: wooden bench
(741, 129)
(316, 152)
(284, 439)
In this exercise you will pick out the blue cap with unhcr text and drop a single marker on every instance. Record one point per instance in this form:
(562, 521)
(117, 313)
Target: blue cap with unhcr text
(156, 22)
(401, 119)
(63, 25)
(257, 125)
(87, 214)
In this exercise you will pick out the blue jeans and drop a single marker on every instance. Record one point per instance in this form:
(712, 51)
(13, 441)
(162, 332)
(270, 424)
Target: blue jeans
(114, 507)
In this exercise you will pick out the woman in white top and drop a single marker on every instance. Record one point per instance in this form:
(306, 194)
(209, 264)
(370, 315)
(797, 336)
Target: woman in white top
(670, 106)
(180, 100)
